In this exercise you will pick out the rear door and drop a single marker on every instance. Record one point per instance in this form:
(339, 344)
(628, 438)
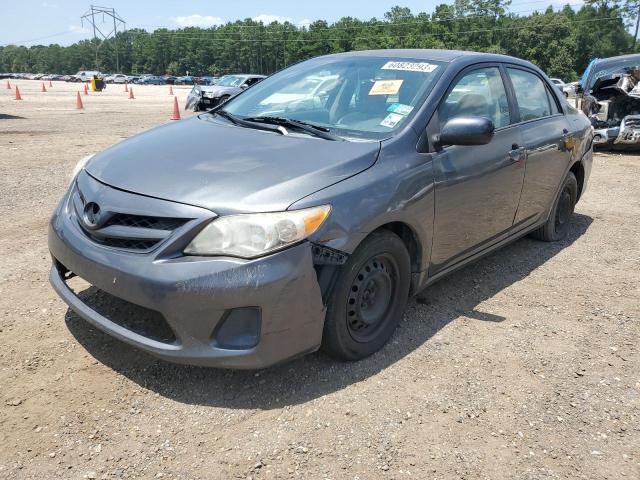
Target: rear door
(545, 134)
(477, 187)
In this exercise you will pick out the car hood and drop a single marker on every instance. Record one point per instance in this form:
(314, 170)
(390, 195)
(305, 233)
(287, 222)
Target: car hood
(228, 169)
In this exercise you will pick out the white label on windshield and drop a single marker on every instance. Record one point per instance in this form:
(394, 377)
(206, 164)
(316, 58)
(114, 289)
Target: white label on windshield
(410, 66)
(392, 120)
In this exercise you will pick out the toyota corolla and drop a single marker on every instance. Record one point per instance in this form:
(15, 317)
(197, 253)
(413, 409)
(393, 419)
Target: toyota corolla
(263, 230)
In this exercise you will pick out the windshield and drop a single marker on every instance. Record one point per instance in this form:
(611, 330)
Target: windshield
(600, 71)
(352, 96)
(231, 81)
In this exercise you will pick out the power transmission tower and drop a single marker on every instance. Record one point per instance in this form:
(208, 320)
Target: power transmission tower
(90, 17)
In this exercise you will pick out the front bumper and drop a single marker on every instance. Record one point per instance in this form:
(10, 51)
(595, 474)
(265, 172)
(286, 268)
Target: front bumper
(195, 296)
(628, 133)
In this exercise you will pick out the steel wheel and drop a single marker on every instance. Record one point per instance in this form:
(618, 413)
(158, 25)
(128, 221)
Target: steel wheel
(370, 297)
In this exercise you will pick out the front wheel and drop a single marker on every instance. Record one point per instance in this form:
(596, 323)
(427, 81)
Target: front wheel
(557, 226)
(368, 299)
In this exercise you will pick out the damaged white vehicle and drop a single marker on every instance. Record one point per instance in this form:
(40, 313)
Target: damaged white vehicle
(609, 94)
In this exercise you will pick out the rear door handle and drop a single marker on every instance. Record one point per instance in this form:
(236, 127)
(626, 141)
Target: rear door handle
(517, 153)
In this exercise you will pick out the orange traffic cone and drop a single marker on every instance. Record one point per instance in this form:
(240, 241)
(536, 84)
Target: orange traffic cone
(131, 97)
(50, 84)
(18, 97)
(126, 88)
(176, 109)
(170, 89)
(43, 87)
(86, 90)
(8, 85)
(79, 101)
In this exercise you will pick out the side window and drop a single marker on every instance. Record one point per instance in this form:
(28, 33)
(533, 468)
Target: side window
(479, 93)
(554, 105)
(531, 94)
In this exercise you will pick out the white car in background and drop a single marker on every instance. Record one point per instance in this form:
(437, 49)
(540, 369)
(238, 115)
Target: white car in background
(87, 75)
(566, 88)
(119, 78)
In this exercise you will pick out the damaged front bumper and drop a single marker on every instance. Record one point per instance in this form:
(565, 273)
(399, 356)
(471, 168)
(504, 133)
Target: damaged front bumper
(628, 133)
(222, 312)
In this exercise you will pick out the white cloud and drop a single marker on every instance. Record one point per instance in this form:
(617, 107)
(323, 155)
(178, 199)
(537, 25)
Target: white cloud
(78, 29)
(269, 19)
(305, 22)
(196, 20)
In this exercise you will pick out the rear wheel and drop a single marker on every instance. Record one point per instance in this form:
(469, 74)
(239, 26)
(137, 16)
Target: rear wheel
(557, 226)
(368, 299)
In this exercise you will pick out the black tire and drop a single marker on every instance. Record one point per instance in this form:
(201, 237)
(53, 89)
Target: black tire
(223, 99)
(368, 299)
(557, 226)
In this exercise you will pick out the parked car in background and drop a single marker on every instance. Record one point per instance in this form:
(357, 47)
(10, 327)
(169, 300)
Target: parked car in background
(268, 235)
(119, 78)
(169, 79)
(609, 94)
(132, 78)
(206, 97)
(86, 75)
(151, 80)
(561, 85)
(184, 80)
(208, 80)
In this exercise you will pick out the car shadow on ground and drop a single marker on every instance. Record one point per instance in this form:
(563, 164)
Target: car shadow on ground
(316, 375)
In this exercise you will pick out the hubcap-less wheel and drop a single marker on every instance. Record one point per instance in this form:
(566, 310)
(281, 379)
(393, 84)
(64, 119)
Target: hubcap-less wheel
(563, 213)
(370, 297)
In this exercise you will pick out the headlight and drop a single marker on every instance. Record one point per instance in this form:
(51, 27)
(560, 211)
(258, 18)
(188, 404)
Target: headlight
(80, 165)
(254, 235)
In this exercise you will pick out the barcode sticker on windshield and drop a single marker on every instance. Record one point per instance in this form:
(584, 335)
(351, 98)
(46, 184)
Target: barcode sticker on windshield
(410, 66)
(392, 120)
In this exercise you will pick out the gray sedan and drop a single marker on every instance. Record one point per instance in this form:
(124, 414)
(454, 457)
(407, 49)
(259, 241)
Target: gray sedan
(205, 97)
(304, 212)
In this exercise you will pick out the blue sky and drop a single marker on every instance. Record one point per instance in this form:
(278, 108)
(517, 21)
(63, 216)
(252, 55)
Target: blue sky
(29, 22)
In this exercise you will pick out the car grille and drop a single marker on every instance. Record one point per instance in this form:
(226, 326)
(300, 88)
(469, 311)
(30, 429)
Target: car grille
(139, 233)
(141, 221)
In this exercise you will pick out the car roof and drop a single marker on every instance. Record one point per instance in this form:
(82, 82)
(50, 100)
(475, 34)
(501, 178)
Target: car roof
(619, 58)
(460, 57)
(432, 54)
(244, 75)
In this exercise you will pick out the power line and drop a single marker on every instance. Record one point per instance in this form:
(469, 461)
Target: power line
(214, 36)
(382, 23)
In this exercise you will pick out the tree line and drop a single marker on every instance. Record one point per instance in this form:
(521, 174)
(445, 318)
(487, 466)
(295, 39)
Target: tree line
(560, 42)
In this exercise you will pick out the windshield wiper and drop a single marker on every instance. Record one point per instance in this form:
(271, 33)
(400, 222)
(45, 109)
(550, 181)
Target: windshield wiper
(243, 122)
(310, 128)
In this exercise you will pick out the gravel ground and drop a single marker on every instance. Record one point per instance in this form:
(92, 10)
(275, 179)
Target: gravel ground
(524, 365)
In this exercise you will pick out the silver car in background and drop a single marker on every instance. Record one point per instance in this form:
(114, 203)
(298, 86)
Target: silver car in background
(205, 97)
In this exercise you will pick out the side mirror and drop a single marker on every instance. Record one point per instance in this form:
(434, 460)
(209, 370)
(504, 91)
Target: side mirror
(465, 131)
(244, 86)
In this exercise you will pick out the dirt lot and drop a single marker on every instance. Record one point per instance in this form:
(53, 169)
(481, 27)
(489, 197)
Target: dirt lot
(525, 365)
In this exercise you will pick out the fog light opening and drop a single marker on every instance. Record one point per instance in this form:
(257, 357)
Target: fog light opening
(239, 329)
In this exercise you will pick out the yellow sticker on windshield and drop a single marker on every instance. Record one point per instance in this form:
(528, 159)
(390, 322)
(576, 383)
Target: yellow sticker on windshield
(386, 87)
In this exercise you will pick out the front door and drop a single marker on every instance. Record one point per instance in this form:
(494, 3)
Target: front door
(477, 188)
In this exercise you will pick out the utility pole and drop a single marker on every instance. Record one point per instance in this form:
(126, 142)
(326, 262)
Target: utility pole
(90, 16)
